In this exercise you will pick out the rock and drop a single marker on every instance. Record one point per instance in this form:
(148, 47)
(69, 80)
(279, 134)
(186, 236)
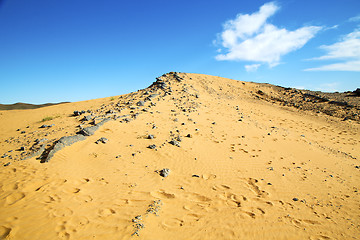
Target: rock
(88, 131)
(358, 167)
(152, 146)
(60, 144)
(175, 143)
(22, 149)
(4, 156)
(22, 132)
(150, 136)
(195, 176)
(295, 199)
(7, 164)
(140, 103)
(87, 118)
(77, 113)
(189, 135)
(164, 172)
(102, 140)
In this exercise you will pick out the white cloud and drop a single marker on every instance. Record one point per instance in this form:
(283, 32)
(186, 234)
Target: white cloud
(252, 67)
(346, 50)
(355, 19)
(345, 66)
(251, 38)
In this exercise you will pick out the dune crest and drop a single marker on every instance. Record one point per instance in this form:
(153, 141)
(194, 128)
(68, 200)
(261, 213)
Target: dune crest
(192, 156)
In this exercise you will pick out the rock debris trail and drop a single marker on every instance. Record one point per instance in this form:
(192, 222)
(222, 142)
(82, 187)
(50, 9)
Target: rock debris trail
(190, 157)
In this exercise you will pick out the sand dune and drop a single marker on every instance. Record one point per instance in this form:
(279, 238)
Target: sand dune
(246, 160)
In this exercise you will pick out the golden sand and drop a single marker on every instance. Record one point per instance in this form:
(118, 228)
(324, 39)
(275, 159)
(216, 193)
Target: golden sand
(250, 169)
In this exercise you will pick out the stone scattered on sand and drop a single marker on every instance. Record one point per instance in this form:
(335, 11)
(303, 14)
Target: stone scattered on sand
(102, 140)
(295, 199)
(87, 118)
(140, 103)
(164, 172)
(150, 136)
(7, 164)
(194, 175)
(175, 143)
(152, 146)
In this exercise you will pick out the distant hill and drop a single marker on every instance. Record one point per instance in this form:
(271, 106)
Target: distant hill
(25, 105)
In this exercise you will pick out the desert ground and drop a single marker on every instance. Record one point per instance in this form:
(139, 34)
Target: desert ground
(191, 157)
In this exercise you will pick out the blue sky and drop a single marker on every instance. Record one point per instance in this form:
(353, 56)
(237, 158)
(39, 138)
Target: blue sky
(73, 50)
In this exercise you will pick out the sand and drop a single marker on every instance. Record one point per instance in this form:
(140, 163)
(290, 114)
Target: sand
(244, 168)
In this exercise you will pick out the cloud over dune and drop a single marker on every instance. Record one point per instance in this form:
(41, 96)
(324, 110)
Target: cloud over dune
(249, 37)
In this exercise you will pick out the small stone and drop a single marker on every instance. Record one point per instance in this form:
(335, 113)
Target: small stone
(22, 132)
(140, 103)
(150, 136)
(7, 164)
(22, 148)
(87, 118)
(175, 143)
(358, 167)
(152, 146)
(189, 135)
(102, 140)
(164, 172)
(195, 176)
(295, 199)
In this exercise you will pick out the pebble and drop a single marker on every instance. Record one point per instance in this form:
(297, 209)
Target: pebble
(175, 143)
(195, 176)
(152, 146)
(102, 140)
(295, 199)
(164, 172)
(150, 136)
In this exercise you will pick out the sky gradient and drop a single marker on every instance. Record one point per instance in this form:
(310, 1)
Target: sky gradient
(54, 51)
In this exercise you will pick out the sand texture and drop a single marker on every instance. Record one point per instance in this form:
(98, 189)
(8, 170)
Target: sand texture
(190, 157)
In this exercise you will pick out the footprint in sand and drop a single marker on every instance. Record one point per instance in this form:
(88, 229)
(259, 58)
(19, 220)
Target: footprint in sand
(208, 176)
(162, 194)
(4, 232)
(62, 212)
(173, 222)
(84, 198)
(105, 212)
(10, 187)
(14, 198)
(195, 197)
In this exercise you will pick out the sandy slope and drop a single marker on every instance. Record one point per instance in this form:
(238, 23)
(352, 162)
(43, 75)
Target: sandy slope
(250, 169)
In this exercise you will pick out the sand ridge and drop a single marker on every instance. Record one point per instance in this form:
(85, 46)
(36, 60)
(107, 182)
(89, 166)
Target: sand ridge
(242, 166)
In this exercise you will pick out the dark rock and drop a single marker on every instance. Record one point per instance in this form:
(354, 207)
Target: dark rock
(358, 167)
(195, 176)
(152, 146)
(22, 132)
(77, 113)
(189, 135)
(60, 144)
(7, 164)
(22, 149)
(140, 103)
(87, 118)
(295, 199)
(164, 172)
(102, 140)
(175, 143)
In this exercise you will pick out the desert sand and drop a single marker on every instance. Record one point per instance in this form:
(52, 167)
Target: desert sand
(245, 161)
